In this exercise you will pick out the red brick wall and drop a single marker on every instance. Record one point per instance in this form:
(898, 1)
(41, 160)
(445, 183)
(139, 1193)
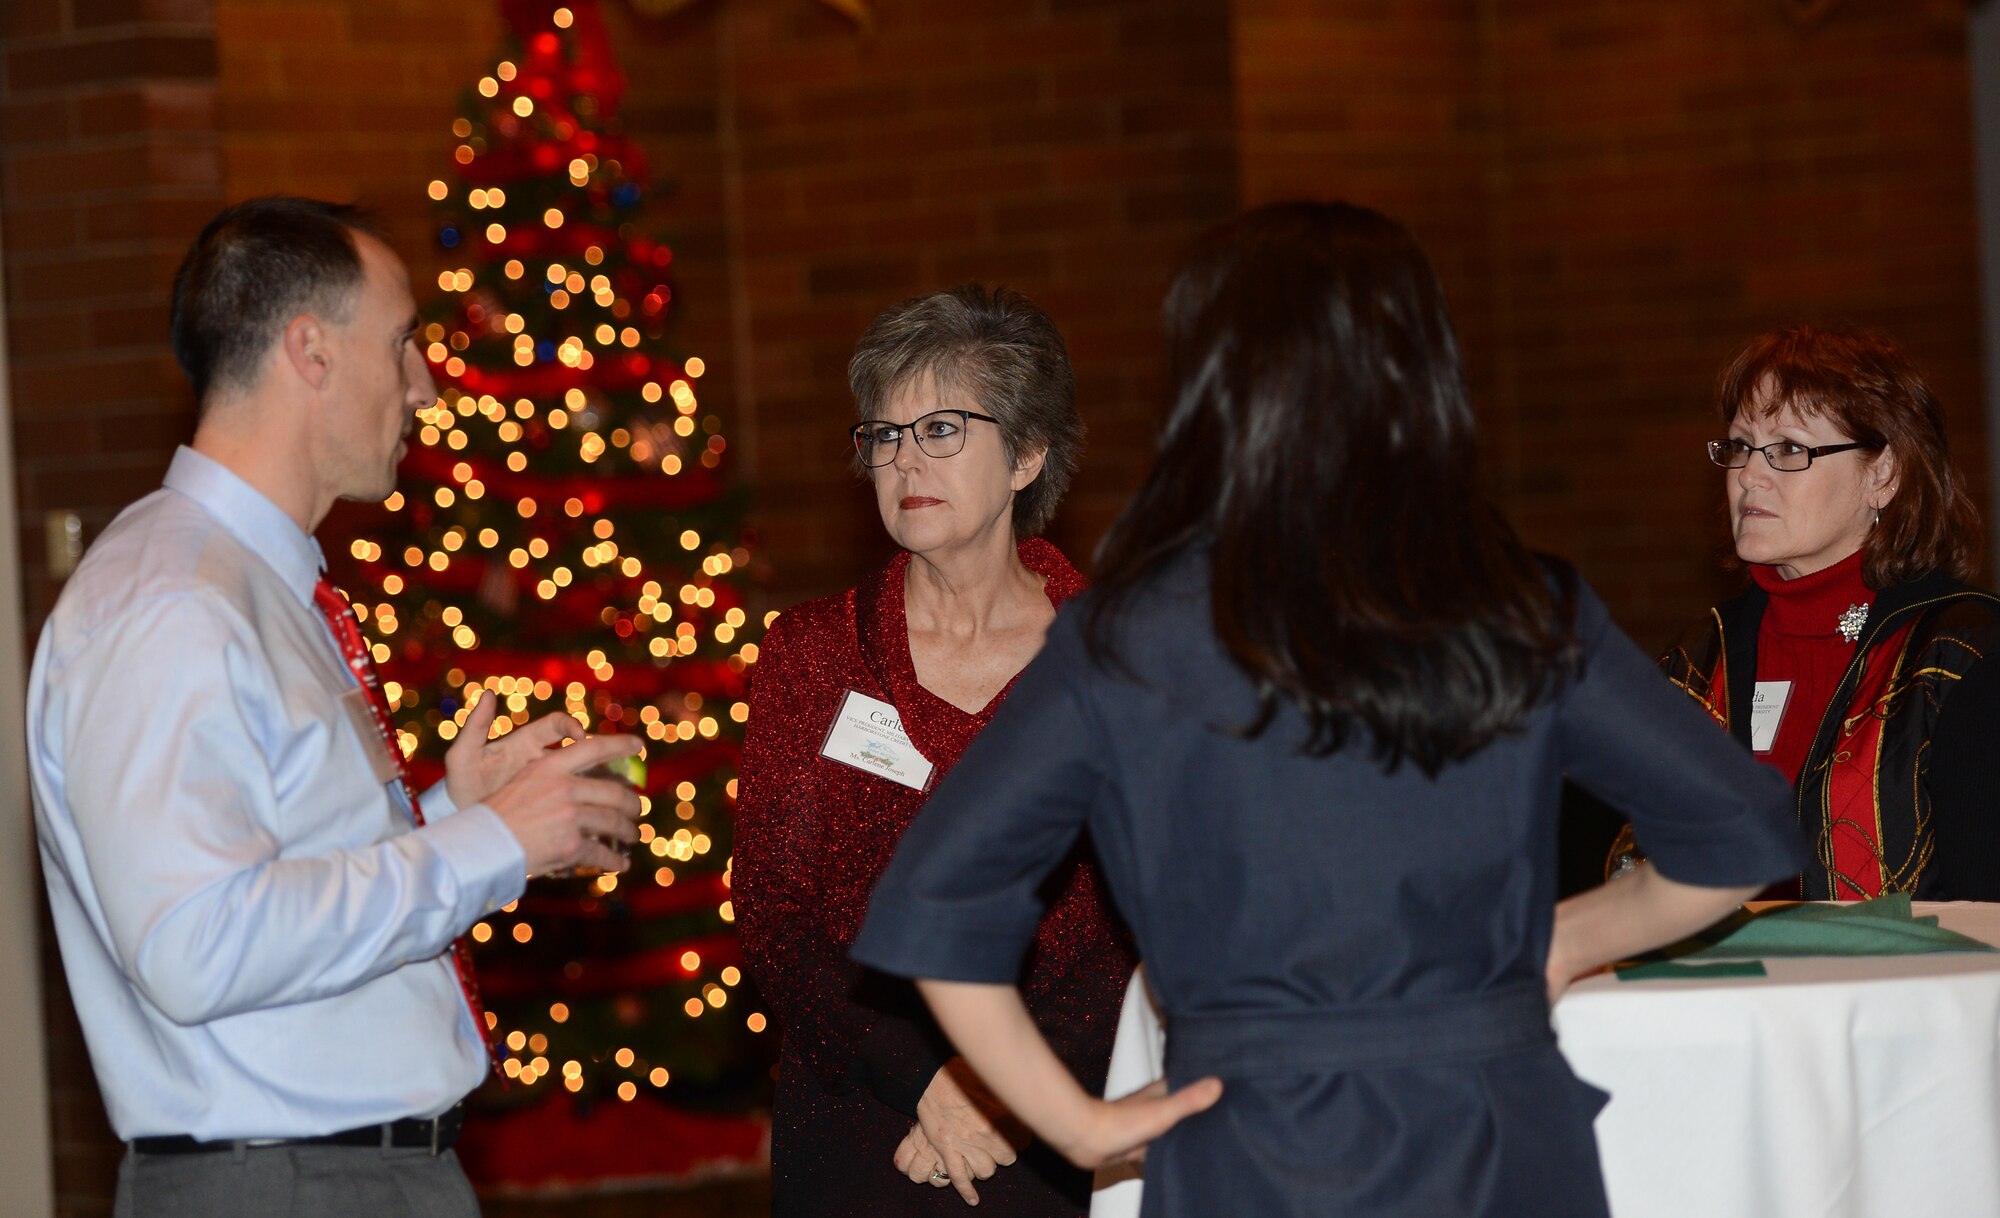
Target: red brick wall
(1386, 105)
(1067, 147)
(347, 100)
(108, 154)
(1680, 177)
(1617, 195)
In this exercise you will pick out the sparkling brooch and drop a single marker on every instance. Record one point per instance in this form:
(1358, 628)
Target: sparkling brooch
(1852, 621)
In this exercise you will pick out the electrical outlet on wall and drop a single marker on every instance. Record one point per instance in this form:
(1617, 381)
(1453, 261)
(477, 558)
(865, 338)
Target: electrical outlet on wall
(64, 529)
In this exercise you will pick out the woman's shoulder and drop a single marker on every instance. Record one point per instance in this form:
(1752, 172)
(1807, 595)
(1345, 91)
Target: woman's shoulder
(812, 626)
(1063, 581)
(1954, 612)
(1701, 643)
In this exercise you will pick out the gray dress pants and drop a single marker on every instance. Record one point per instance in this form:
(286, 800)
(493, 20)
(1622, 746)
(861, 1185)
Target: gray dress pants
(295, 1182)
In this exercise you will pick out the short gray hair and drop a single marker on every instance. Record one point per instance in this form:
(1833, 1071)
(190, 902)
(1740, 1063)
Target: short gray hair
(1002, 351)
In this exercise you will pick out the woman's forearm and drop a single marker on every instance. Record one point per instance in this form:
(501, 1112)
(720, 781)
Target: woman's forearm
(991, 1027)
(1632, 914)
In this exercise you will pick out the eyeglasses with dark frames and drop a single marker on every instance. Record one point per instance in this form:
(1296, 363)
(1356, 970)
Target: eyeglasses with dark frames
(941, 433)
(1786, 456)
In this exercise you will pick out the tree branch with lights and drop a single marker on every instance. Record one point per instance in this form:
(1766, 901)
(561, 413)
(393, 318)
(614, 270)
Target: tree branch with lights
(566, 536)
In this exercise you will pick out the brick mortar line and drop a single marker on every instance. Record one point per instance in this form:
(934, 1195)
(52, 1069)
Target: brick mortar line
(106, 354)
(107, 33)
(15, 202)
(121, 248)
(130, 139)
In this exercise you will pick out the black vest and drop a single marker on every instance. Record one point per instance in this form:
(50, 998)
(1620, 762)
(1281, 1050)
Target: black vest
(1934, 773)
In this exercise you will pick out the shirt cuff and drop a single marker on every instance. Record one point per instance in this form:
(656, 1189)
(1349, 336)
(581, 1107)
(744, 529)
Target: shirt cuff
(437, 803)
(483, 856)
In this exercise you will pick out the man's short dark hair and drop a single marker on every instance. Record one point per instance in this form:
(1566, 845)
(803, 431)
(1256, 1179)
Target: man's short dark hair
(254, 267)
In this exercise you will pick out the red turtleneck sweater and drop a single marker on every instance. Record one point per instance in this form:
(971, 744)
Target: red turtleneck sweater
(1799, 641)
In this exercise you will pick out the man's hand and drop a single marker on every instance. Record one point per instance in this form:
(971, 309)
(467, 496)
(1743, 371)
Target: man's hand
(564, 820)
(475, 767)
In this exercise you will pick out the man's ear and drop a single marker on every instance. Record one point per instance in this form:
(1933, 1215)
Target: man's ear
(1029, 467)
(306, 350)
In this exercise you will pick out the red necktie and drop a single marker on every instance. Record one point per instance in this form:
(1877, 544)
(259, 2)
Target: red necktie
(340, 619)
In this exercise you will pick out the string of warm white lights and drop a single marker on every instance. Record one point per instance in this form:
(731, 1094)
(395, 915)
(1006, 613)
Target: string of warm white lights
(566, 540)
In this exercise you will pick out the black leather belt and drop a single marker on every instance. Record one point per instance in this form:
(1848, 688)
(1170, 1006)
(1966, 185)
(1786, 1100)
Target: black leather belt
(410, 1133)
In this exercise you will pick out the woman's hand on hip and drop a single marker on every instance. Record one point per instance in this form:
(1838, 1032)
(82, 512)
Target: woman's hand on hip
(1118, 1131)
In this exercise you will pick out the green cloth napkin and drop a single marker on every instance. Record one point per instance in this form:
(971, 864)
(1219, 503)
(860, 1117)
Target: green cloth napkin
(1674, 970)
(1881, 927)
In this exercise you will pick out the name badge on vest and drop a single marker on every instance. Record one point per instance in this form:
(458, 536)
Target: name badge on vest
(362, 716)
(1767, 710)
(868, 734)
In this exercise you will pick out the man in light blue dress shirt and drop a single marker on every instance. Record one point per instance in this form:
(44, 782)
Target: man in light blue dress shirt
(256, 933)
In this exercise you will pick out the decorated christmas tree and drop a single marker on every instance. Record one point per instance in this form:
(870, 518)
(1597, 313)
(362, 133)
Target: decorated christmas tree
(564, 536)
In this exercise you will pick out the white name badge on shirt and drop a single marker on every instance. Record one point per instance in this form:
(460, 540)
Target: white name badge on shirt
(362, 716)
(868, 734)
(1767, 709)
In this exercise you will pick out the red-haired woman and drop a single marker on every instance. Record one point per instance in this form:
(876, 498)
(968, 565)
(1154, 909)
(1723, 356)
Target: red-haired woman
(1853, 663)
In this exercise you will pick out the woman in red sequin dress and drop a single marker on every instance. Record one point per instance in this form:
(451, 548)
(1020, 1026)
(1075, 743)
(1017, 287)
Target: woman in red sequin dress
(969, 434)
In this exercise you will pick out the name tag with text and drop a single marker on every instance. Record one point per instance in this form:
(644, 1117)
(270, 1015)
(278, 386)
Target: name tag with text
(1767, 710)
(867, 734)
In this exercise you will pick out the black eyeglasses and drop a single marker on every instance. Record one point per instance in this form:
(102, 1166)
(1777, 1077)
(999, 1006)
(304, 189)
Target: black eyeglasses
(941, 433)
(1782, 455)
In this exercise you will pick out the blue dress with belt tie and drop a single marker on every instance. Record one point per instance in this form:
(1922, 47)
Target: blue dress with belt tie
(1357, 952)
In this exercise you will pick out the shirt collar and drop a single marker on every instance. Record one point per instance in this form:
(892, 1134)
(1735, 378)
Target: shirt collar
(253, 519)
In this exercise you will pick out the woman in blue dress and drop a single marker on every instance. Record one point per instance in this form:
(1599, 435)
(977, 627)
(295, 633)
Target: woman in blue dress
(1316, 714)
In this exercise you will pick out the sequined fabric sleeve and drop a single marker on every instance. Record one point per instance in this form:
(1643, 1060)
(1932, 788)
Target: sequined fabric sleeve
(800, 970)
(850, 1030)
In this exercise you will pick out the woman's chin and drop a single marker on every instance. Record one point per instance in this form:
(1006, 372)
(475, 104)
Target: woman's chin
(1758, 550)
(920, 540)
(935, 536)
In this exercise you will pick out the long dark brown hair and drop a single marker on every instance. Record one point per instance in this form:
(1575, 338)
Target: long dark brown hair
(1320, 445)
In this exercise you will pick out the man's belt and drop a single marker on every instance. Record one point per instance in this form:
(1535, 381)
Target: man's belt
(435, 1135)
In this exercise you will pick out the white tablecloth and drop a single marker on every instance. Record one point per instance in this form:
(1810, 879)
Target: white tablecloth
(1832, 1088)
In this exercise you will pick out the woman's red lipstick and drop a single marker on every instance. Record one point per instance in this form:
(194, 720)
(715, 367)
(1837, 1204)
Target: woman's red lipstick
(912, 502)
